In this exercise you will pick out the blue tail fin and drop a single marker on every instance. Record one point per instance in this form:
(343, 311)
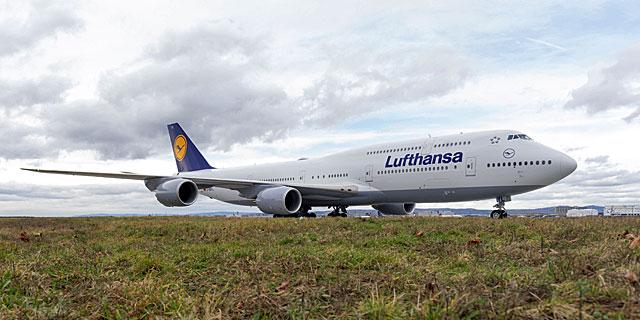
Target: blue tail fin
(188, 157)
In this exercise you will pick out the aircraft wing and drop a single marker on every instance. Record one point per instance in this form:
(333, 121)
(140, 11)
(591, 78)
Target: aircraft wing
(337, 190)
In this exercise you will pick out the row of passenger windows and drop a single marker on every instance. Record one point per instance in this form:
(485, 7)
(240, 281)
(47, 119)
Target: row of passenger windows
(324, 176)
(336, 175)
(440, 145)
(394, 150)
(280, 179)
(451, 144)
(419, 169)
(519, 163)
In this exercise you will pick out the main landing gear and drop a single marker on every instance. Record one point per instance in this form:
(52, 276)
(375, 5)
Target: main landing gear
(305, 211)
(338, 211)
(500, 212)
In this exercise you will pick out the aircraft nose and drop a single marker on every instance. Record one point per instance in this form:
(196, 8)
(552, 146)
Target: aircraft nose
(569, 165)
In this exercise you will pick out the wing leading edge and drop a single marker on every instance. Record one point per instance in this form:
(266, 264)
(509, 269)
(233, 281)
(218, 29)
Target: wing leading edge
(339, 191)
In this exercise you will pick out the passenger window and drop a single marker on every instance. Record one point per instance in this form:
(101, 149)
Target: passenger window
(537, 163)
(510, 137)
(549, 161)
(544, 162)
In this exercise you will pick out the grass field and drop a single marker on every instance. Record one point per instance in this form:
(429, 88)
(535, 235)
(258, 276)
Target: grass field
(422, 268)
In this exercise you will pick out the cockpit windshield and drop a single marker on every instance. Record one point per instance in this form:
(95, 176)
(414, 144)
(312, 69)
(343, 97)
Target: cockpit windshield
(518, 136)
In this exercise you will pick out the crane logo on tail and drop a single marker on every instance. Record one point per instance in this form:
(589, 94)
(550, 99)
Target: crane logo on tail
(180, 147)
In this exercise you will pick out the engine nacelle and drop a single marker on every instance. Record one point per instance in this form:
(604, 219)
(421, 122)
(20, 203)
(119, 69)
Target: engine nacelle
(395, 208)
(177, 193)
(279, 200)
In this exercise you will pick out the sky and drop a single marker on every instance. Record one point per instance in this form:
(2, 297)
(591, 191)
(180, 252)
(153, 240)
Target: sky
(91, 85)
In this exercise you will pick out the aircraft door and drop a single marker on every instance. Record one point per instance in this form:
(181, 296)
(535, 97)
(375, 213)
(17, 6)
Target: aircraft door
(426, 146)
(302, 176)
(368, 175)
(471, 167)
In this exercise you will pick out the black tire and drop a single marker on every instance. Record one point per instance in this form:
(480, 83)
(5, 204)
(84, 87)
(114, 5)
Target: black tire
(495, 214)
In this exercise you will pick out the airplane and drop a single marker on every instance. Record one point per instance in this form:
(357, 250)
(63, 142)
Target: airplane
(390, 177)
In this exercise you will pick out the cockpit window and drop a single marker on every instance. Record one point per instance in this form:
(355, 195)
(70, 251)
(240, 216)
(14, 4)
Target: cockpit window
(518, 136)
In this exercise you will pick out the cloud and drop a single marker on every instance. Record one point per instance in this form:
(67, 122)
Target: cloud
(21, 104)
(611, 87)
(364, 81)
(27, 92)
(38, 21)
(598, 160)
(17, 190)
(214, 81)
(202, 78)
(600, 172)
(597, 181)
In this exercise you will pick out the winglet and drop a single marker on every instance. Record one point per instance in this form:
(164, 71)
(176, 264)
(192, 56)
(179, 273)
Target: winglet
(187, 155)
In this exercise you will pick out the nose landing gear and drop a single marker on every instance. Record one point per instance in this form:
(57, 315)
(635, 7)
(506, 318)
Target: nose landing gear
(501, 211)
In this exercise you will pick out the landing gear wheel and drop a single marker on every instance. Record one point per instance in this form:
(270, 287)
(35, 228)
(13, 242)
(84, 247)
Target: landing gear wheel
(338, 211)
(500, 212)
(305, 211)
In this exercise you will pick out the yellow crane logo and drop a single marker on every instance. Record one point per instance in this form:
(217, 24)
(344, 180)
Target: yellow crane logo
(180, 147)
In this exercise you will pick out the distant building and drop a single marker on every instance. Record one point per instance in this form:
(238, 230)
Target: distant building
(562, 210)
(622, 210)
(574, 213)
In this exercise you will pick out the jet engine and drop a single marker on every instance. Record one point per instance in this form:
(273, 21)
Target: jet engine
(395, 208)
(279, 200)
(177, 193)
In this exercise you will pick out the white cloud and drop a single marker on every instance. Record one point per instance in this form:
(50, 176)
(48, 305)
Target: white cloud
(23, 24)
(614, 86)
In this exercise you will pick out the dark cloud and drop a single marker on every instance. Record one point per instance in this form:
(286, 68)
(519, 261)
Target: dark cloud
(202, 78)
(44, 19)
(21, 105)
(612, 87)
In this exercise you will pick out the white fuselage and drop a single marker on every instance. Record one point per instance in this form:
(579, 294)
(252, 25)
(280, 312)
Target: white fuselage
(461, 167)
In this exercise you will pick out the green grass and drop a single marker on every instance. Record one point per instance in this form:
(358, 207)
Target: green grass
(417, 268)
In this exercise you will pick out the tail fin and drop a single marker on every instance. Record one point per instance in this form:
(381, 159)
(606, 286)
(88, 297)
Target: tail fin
(188, 157)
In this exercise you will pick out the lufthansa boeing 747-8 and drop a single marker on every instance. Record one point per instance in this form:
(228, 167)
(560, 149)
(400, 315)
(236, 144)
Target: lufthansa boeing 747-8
(391, 177)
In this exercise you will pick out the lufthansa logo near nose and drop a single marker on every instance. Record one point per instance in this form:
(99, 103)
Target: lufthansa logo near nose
(509, 153)
(180, 147)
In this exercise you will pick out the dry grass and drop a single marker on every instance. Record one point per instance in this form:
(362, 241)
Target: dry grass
(422, 268)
